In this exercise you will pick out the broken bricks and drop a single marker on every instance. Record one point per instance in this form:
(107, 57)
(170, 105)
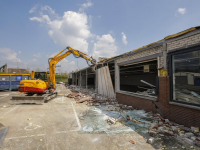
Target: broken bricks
(151, 140)
(127, 117)
(188, 141)
(131, 141)
(152, 133)
(195, 129)
(111, 120)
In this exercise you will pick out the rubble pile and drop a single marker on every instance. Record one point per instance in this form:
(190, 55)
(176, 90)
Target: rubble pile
(89, 97)
(155, 124)
(163, 127)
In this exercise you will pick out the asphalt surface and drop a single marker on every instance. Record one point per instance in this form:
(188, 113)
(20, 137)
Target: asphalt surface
(55, 125)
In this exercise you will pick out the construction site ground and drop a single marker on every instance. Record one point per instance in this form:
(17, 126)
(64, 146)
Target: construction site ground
(56, 125)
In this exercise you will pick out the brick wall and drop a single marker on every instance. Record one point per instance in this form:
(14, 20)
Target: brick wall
(182, 115)
(145, 53)
(160, 62)
(183, 42)
(136, 102)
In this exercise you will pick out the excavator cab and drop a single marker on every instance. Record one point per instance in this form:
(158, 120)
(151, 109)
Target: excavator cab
(41, 75)
(39, 83)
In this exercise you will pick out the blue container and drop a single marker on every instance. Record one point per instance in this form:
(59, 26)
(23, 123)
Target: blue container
(197, 81)
(14, 85)
(18, 78)
(4, 78)
(25, 77)
(4, 82)
(4, 85)
(11, 81)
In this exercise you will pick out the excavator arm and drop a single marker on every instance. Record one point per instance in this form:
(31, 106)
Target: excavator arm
(58, 57)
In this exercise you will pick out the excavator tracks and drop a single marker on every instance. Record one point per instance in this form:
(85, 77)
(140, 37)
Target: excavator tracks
(33, 98)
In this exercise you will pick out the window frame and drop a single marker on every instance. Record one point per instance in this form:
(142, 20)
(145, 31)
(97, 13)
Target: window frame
(149, 97)
(44, 73)
(170, 71)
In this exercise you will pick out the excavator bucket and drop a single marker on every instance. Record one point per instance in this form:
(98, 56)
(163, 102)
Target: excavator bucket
(33, 98)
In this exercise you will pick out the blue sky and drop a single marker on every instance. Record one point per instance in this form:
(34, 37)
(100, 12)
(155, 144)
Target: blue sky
(33, 31)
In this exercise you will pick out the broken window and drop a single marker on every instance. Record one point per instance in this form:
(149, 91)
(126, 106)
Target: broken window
(139, 78)
(186, 77)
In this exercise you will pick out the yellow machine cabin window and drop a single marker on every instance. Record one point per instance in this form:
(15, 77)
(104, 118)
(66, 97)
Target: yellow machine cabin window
(41, 75)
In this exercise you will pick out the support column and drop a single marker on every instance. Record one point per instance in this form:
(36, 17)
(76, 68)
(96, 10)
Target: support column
(117, 77)
(96, 80)
(165, 56)
(76, 78)
(80, 79)
(10, 88)
(86, 78)
(72, 78)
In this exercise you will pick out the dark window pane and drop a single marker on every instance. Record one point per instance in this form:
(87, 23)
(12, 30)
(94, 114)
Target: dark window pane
(41, 75)
(186, 77)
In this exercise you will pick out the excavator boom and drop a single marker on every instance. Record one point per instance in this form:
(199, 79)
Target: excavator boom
(57, 58)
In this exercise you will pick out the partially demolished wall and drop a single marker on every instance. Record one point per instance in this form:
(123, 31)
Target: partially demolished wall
(170, 98)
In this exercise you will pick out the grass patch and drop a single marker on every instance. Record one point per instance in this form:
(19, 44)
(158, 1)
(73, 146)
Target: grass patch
(61, 78)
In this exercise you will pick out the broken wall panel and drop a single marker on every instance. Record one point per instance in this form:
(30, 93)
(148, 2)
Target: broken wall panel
(105, 86)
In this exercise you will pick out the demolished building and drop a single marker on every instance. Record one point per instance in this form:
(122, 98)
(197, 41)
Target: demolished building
(165, 73)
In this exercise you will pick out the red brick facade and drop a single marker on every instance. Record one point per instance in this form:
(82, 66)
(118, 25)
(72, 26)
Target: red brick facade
(178, 114)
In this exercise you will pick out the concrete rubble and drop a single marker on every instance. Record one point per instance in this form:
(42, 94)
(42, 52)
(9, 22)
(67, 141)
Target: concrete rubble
(157, 125)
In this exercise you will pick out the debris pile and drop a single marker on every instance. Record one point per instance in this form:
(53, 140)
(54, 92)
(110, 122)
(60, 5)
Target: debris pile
(114, 114)
(88, 97)
(163, 127)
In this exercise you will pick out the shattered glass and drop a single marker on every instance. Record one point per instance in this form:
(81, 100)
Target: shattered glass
(96, 119)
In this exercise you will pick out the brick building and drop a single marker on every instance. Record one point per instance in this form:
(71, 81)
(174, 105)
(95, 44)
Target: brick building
(177, 58)
(18, 70)
(166, 72)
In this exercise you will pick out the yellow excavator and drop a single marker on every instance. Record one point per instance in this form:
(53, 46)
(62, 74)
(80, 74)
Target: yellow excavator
(40, 88)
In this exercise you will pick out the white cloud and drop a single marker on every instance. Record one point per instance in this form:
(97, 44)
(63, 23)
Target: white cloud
(124, 39)
(85, 5)
(37, 55)
(34, 60)
(36, 19)
(181, 10)
(49, 9)
(8, 55)
(72, 63)
(104, 47)
(65, 64)
(71, 29)
(19, 52)
(43, 18)
(32, 10)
